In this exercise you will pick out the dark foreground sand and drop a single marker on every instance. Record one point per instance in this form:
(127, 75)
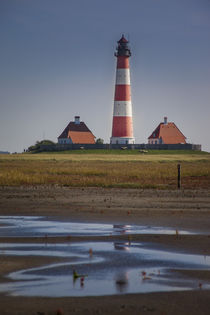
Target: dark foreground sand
(175, 209)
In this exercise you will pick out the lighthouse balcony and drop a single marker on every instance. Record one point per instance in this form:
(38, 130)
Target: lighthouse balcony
(123, 52)
(122, 140)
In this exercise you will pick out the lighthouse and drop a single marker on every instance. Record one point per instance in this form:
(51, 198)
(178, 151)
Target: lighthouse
(122, 125)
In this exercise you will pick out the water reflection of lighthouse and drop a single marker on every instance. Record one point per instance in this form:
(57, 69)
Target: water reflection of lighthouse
(121, 281)
(122, 229)
(122, 246)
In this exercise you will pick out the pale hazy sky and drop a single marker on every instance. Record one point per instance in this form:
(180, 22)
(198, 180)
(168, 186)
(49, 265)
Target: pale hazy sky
(57, 61)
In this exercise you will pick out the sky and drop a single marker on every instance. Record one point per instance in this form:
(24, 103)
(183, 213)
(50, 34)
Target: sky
(57, 61)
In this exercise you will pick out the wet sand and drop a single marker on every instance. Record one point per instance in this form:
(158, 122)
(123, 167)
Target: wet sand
(188, 302)
(176, 209)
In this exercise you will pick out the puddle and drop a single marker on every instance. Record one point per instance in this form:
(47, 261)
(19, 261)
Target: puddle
(111, 268)
(29, 226)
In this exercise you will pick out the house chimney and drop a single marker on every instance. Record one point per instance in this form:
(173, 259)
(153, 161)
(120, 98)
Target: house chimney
(165, 120)
(77, 120)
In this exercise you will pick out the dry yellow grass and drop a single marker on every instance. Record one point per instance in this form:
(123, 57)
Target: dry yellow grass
(107, 157)
(107, 170)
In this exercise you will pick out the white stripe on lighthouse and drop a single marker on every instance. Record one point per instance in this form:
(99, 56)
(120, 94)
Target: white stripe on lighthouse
(122, 108)
(123, 76)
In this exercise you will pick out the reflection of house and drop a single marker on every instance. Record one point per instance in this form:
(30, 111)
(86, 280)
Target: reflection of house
(76, 132)
(166, 133)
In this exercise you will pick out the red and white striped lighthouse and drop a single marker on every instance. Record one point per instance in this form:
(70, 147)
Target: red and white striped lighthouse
(122, 126)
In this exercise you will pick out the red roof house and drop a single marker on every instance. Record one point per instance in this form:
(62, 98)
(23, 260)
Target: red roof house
(166, 133)
(76, 132)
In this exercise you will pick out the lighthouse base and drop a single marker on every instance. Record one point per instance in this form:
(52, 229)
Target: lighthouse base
(122, 140)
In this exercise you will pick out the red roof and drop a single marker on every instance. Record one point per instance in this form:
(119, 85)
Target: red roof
(169, 133)
(82, 137)
(78, 132)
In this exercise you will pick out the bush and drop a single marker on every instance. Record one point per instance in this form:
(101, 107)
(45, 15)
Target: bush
(36, 147)
(99, 141)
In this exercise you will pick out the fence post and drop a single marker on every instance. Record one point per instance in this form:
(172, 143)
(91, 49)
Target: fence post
(179, 176)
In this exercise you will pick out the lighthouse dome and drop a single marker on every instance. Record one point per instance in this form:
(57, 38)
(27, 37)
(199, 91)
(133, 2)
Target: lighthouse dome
(122, 40)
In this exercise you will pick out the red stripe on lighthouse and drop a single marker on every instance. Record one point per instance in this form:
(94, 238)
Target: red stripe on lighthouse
(122, 93)
(122, 62)
(122, 126)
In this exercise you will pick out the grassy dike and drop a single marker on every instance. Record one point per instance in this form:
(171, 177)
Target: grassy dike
(107, 168)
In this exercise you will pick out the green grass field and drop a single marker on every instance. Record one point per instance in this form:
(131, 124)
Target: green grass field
(107, 168)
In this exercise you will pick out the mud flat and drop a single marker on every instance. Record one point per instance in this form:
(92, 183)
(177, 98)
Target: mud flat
(177, 210)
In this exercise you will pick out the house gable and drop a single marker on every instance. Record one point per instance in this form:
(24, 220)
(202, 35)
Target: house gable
(76, 132)
(167, 133)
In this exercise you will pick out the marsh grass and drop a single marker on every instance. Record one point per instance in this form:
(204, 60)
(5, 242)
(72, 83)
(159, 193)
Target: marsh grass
(106, 170)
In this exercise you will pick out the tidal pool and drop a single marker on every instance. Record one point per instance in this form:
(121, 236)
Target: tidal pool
(102, 268)
(29, 226)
